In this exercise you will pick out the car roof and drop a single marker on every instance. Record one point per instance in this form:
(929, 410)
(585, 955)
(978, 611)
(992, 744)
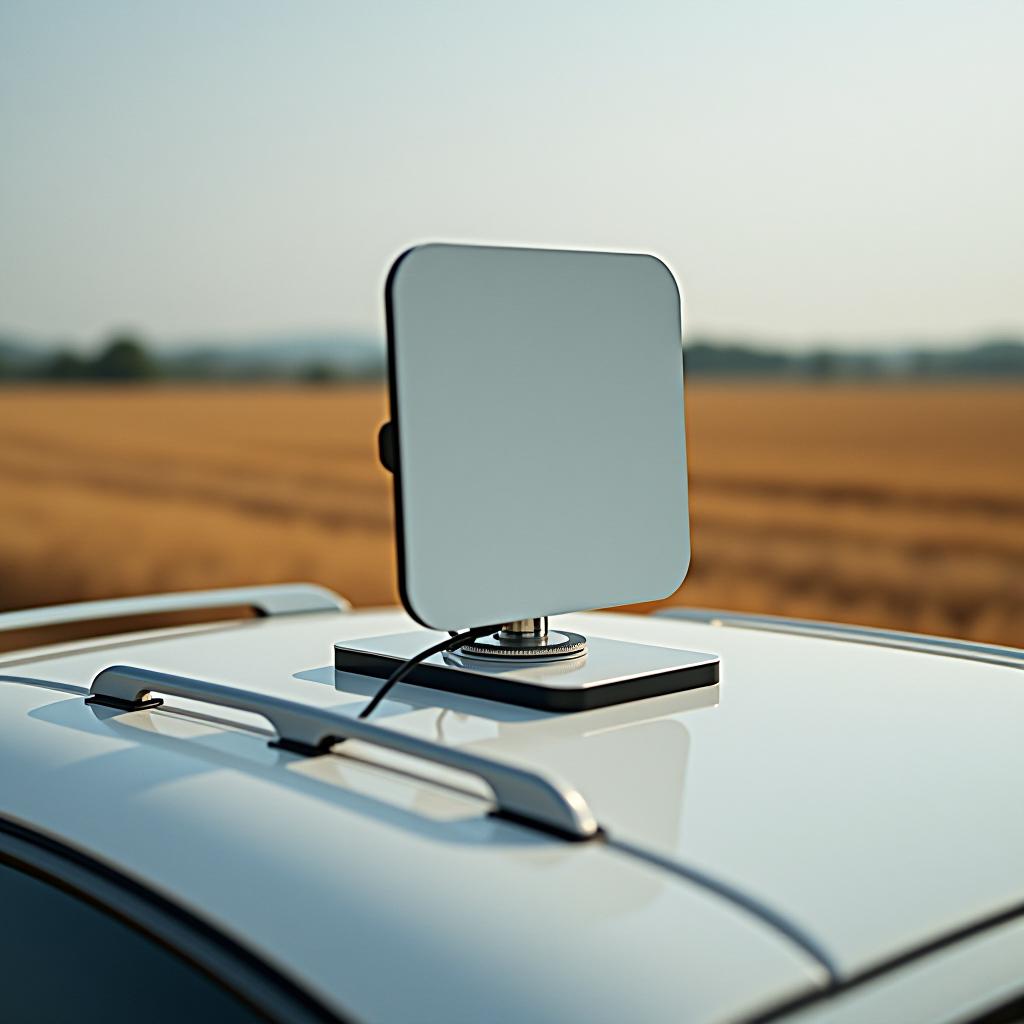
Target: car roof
(827, 807)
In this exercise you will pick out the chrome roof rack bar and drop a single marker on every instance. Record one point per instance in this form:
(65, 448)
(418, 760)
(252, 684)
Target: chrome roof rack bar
(276, 599)
(521, 794)
(918, 642)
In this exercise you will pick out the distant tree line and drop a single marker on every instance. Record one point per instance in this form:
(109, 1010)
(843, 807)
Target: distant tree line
(1001, 357)
(126, 357)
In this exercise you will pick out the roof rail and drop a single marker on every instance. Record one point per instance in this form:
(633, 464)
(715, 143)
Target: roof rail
(524, 795)
(275, 599)
(918, 642)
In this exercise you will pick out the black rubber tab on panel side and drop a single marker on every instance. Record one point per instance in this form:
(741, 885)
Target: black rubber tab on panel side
(386, 446)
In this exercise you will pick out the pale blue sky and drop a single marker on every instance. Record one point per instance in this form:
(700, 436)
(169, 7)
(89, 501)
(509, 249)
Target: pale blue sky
(816, 171)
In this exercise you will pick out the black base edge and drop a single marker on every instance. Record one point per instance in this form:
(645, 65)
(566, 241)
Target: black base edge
(528, 695)
(123, 705)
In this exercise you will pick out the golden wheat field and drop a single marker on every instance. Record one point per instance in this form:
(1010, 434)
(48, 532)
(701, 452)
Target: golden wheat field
(899, 506)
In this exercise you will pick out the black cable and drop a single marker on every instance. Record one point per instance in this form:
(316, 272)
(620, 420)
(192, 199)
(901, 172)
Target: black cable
(453, 643)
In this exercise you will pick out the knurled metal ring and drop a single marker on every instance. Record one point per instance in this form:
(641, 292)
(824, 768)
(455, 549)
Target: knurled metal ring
(570, 646)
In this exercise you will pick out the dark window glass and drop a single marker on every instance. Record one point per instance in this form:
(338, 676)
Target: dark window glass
(62, 959)
(1011, 1013)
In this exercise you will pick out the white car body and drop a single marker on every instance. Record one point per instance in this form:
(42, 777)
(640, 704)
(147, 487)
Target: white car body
(834, 832)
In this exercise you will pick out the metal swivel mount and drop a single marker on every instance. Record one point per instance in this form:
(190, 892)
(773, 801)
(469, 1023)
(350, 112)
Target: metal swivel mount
(526, 641)
(526, 664)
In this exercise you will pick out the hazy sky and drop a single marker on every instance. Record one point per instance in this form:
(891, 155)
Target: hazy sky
(819, 171)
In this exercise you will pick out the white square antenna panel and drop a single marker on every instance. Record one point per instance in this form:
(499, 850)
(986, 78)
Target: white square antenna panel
(537, 411)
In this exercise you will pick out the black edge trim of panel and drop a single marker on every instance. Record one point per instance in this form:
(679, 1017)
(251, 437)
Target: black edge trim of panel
(395, 440)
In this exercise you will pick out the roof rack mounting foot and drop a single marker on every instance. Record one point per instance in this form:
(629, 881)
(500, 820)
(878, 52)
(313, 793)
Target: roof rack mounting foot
(123, 705)
(300, 748)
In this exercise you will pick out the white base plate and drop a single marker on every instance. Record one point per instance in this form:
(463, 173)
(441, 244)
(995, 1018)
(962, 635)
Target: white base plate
(611, 672)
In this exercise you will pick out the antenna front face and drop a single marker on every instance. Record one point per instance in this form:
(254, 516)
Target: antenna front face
(537, 411)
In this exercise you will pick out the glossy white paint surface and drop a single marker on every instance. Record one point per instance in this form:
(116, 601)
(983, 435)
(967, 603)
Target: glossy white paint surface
(870, 796)
(389, 897)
